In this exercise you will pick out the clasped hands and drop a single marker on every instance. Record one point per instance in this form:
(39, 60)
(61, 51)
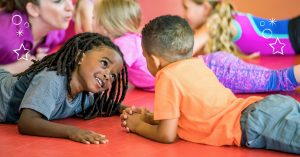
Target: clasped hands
(132, 117)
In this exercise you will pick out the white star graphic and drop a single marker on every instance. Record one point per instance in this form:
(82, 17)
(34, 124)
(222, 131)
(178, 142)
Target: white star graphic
(272, 21)
(274, 45)
(20, 33)
(22, 48)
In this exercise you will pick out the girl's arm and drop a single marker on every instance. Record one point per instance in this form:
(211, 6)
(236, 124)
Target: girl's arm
(164, 132)
(32, 123)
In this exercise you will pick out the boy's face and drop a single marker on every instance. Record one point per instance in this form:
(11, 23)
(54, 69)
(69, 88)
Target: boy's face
(99, 68)
(152, 64)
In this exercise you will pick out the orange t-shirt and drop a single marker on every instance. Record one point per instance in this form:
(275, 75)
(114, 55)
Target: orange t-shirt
(208, 112)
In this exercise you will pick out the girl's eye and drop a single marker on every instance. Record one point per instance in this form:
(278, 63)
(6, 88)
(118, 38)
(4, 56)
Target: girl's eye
(104, 64)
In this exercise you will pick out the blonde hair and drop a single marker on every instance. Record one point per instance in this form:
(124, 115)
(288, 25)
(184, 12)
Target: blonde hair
(221, 27)
(118, 16)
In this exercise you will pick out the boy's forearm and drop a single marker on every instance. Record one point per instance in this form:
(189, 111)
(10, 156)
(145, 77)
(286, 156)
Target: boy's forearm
(149, 118)
(151, 132)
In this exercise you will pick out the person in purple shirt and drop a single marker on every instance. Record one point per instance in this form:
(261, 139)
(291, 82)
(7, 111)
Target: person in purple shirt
(29, 29)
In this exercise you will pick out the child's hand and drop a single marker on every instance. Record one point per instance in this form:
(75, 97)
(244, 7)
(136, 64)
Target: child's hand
(130, 111)
(127, 111)
(84, 16)
(87, 137)
(124, 117)
(134, 120)
(133, 109)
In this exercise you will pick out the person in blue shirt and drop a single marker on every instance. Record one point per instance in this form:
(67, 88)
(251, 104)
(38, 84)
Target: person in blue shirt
(86, 78)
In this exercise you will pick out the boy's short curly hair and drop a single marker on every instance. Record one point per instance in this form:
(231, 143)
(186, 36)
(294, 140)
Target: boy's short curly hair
(170, 37)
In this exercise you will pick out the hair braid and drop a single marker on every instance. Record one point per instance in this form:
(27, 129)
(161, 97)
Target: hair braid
(221, 29)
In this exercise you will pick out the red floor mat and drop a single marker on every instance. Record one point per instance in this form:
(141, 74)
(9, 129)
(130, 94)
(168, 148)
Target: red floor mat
(124, 144)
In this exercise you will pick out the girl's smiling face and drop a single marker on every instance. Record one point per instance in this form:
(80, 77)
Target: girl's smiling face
(98, 69)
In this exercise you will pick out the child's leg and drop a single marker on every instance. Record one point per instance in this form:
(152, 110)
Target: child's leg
(272, 123)
(242, 77)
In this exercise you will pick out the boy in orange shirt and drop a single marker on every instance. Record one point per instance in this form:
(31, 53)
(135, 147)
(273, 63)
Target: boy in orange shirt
(190, 101)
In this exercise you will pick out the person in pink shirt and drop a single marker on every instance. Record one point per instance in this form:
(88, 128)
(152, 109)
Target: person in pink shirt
(120, 20)
(29, 29)
(218, 27)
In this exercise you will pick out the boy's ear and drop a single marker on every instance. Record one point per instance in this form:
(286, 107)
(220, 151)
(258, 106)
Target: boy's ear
(157, 61)
(32, 9)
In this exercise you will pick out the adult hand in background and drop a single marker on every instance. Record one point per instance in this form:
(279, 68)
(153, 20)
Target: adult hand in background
(84, 15)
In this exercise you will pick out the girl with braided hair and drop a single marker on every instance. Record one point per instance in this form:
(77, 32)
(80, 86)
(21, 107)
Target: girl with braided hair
(218, 27)
(120, 20)
(86, 78)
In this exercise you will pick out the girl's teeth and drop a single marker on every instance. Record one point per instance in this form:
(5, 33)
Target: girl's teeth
(99, 82)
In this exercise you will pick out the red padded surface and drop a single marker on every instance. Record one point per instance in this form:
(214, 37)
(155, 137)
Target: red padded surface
(124, 144)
